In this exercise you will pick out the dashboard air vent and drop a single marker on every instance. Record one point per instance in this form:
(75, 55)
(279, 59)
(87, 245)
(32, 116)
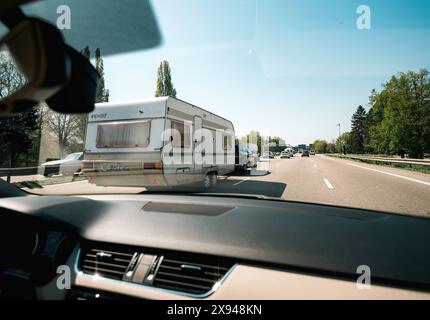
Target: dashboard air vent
(110, 263)
(196, 276)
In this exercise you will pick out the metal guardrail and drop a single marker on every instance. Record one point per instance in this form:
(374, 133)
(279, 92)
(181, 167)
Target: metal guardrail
(403, 160)
(14, 172)
(410, 162)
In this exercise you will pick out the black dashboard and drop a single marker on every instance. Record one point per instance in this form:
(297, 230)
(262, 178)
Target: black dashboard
(201, 239)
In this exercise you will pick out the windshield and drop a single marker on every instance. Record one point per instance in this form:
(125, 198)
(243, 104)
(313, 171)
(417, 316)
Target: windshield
(324, 102)
(73, 156)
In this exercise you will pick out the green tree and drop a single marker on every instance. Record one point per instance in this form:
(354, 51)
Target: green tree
(165, 86)
(377, 102)
(18, 132)
(17, 136)
(399, 118)
(86, 52)
(320, 146)
(102, 93)
(331, 147)
(359, 130)
(344, 142)
(66, 128)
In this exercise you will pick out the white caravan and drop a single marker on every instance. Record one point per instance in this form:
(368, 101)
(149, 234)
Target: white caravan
(158, 142)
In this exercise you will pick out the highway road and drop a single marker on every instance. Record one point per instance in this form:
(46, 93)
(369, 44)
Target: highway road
(318, 179)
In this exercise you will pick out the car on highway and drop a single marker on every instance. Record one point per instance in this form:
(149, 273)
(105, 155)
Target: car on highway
(246, 157)
(285, 155)
(68, 166)
(145, 221)
(312, 152)
(268, 155)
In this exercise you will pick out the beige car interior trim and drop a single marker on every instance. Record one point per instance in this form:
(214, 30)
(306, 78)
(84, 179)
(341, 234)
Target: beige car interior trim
(256, 283)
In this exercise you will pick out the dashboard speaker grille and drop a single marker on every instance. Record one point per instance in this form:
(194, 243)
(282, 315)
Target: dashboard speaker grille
(196, 276)
(109, 263)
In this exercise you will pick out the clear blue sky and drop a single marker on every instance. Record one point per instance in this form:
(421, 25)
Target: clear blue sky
(287, 68)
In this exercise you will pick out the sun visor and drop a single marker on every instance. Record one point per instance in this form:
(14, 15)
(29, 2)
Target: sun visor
(111, 25)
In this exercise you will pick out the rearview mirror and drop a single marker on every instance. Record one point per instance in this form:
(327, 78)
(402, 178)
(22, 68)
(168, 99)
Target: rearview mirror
(79, 93)
(34, 65)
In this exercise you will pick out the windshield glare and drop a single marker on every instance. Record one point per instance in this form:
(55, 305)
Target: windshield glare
(73, 156)
(324, 102)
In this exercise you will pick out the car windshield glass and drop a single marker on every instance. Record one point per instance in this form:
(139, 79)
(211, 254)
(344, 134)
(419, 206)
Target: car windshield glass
(319, 101)
(73, 156)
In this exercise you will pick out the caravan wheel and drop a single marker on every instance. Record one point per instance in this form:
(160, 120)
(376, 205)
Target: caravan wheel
(207, 181)
(213, 179)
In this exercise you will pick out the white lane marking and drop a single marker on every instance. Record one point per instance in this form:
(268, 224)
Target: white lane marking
(390, 174)
(241, 181)
(328, 184)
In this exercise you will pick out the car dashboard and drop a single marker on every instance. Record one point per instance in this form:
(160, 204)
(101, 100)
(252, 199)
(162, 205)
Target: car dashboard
(151, 246)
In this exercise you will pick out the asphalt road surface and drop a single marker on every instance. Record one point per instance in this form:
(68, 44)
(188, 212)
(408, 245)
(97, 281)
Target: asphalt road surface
(318, 179)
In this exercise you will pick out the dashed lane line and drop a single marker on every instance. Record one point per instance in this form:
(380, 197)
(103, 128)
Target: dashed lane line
(241, 181)
(328, 184)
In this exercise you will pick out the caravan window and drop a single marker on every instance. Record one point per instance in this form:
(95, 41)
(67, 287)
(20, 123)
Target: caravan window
(129, 134)
(228, 142)
(184, 131)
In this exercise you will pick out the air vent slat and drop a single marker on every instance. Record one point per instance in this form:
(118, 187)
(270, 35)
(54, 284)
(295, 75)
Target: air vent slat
(107, 263)
(196, 275)
(214, 274)
(169, 267)
(186, 277)
(114, 252)
(103, 270)
(180, 262)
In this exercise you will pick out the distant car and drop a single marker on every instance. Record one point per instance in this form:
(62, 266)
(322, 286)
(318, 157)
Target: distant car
(68, 166)
(312, 152)
(269, 155)
(305, 153)
(285, 155)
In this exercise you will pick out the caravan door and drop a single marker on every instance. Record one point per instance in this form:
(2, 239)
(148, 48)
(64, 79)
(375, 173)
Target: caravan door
(197, 136)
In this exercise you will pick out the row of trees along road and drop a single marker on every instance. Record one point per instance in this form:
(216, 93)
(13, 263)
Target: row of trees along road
(398, 120)
(21, 134)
